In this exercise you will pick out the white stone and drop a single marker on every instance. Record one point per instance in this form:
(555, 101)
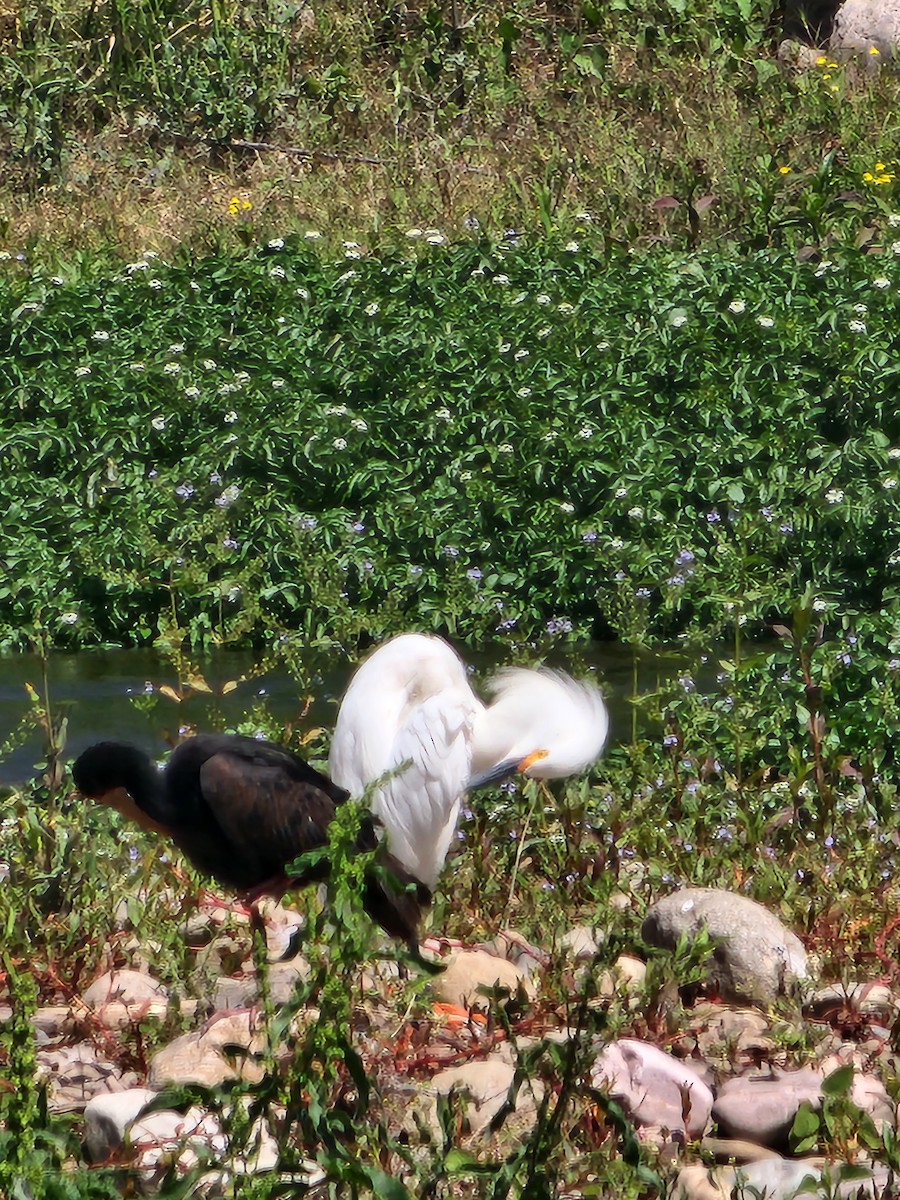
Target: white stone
(107, 1117)
(655, 1088)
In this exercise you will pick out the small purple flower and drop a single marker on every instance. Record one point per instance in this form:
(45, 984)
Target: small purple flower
(230, 544)
(893, 664)
(766, 513)
(466, 814)
(152, 473)
(671, 739)
(511, 235)
(215, 477)
(474, 574)
(509, 786)
(546, 886)
(357, 527)
(590, 535)
(686, 683)
(713, 517)
(786, 528)
(450, 552)
(305, 523)
(829, 842)
(185, 491)
(683, 557)
(642, 593)
(508, 623)
(414, 570)
(723, 834)
(133, 853)
(844, 659)
(367, 567)
(676, 580)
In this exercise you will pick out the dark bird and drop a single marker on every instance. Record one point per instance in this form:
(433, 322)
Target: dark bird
(242, 811)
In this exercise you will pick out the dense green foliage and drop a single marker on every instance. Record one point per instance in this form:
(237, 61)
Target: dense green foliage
(484, 439)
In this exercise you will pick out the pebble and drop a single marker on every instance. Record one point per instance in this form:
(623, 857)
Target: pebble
(756, 959)
(777, 1179)
(472, 970)
(107, 1117)
(656, 1089)
(75, 1074)
(762, 1109)
(223, 1050)
(485, 1087)
(132, 988)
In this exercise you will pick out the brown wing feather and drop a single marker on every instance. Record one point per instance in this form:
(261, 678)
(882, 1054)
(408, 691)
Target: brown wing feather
(267, 818)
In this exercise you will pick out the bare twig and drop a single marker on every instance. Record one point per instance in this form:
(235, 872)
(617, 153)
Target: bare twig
(299, 152)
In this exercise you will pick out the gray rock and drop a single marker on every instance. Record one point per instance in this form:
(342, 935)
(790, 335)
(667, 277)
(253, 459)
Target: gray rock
(762, 1109)
(124, 987)
(485, 1089)
(756, 959)
(75, 1074)
(861, 25)
(581, 942)
(107, 1117)
(734, 1150)
(657, 1090)
(779, 1179)
(167, 1138)
(226, 1048)
(729, 1032)
(471, 970)
(867, 999)
(241, 990)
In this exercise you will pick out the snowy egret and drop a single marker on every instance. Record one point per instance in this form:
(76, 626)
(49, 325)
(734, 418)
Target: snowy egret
(410, 711)
(242, 810)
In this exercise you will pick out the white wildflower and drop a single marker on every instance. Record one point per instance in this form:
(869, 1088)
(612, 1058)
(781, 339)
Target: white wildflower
(894, 453)
(156, 284)
(359, 424)
(572, 247)
(834, 495)
(303, 293)
(69, 618)
(277, 272)
(351, 274)
(277, 383)
(861, 309)
(857, 326)
(80, 372)
(637, 512)
(230, 417)
(192, 392)
(444, 414)
(312, 235)
(100, 335)
(435, 239)
(158, 423)
(501, 280)
(413, 233)
(524, 392)
(543, 298)
(275, 244)
(565, 307)
(208, 364)
(336, 410)
(737, 306)
(566, 507)
(505, 448)
(340, 443)
(765, 322)
(371, 309)
(881, 282)
(889, 483)
(172, 368)
(819, 605)
(176, 348)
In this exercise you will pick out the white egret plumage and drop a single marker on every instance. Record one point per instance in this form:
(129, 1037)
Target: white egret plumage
(410, 702)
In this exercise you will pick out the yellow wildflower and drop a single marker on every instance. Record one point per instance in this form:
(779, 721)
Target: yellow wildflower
(868, 177)
(874, 50)
(821, 60)
(783, 170)
(827, 75)
(879, 167)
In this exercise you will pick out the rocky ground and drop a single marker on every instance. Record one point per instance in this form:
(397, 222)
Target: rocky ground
(715, 1084)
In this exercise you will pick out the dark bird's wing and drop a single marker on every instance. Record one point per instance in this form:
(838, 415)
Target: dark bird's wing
(261, 815)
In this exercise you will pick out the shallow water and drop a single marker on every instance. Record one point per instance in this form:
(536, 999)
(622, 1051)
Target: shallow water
(101, 689)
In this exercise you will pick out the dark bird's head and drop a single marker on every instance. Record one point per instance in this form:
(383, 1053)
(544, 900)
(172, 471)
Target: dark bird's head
(122, 777)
